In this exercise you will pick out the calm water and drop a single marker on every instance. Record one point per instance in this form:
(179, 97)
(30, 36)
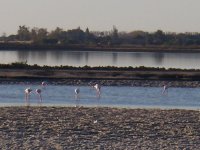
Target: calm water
(136, 97)
(119, 59)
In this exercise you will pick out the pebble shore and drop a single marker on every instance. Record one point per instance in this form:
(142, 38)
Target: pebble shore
(99, 128)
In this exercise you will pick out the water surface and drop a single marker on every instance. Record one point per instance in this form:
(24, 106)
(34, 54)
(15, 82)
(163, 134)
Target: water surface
(112, 96)
(118, 59)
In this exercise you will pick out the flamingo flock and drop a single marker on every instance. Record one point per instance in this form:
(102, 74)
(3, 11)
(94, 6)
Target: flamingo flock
(97, 88)
(38, 92)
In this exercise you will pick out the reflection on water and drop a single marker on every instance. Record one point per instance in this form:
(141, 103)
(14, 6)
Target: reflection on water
(114, 60)
(118, 59)
(159, 58)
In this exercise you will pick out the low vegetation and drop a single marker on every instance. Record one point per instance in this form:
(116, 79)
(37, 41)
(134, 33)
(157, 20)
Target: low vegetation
(24, 65)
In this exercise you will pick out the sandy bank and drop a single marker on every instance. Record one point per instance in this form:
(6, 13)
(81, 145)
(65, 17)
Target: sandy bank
(98, 128)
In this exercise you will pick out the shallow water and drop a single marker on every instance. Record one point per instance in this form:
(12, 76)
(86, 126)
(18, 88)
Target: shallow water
(111, 96)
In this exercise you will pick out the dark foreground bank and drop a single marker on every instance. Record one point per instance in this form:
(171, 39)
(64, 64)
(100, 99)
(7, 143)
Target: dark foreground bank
(110, 77)
(98, 128)
(102, 82)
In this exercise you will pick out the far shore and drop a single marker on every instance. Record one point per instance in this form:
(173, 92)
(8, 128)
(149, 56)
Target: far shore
(119, 48)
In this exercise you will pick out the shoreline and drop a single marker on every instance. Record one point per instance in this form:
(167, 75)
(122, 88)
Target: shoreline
(105, 48)
(98, 128)
(102, 82)
(110, 77)
(135, 107)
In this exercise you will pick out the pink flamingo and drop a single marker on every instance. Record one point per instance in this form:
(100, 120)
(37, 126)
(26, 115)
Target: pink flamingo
(165, 88)
(77, 91)
(44, 84)
(27, 94)
(38, 92)
(98, 89)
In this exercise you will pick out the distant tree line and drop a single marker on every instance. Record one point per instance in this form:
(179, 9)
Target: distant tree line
(100, 38)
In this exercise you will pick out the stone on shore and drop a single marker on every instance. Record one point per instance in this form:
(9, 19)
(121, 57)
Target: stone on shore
(98, 128)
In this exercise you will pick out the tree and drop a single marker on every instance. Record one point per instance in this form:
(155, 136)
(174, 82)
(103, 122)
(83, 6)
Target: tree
(159, 37)
(138, 37)
(34, 34)
(114, 36)
(23, 33)
(56, 34)
(3, 37)
(76, 36)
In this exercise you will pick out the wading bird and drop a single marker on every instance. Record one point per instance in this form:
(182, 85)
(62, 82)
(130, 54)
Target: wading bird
(27, 95)
(44, 84)
(165, 88)
(77, 91)
(98, 89)
(38, 92)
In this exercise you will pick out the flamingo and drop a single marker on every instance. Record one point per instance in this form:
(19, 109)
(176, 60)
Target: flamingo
(77, 91)
(27, 94)
(38, 92)
(44, 84)
(98, 89)
(165, 88)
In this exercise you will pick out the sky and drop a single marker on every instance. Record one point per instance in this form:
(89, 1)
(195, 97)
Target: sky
(101, 15)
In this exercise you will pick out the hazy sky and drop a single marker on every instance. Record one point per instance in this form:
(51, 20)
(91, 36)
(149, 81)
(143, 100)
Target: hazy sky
(126, 15)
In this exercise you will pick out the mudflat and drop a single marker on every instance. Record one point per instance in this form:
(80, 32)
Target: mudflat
(98, 128)
(112, 77)
(99, 73)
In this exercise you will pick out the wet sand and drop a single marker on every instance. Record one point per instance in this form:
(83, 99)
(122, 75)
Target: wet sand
(98, 128)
